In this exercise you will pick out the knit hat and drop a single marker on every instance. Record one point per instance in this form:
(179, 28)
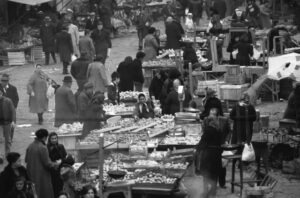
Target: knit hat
(12, 157)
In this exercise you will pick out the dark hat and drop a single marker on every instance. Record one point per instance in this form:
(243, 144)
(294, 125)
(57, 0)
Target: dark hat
(88, 85)
(67, 79)
(12, 157)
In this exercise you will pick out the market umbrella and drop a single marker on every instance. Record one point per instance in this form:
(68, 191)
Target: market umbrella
(284, 66)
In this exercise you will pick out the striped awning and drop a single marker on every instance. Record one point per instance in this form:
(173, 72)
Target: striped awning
(30, 2)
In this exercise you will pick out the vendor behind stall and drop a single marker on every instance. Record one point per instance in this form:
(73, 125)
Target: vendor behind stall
(143, 108)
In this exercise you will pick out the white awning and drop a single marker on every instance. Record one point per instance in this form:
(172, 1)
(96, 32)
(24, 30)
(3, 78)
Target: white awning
(30, 2)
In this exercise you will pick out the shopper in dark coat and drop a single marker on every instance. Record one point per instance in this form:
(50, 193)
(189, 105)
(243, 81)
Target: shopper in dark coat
(211, 101)
(19, 190)
(113, 93)
(79, 70)
(39, 165)
(64, 47)
(47, 34)
(245, 51)
(65, 105)
(10, 173)
(297, 104)
(10, 92)
(143, 23)
(125, 71)
(86, 46)
(174, 34)
(189, 55)
(102, 41)
(138, 77)
(243, 116)
(290, 111)
(56, 152)
(208, 159)
(220, 7)
(157, 84)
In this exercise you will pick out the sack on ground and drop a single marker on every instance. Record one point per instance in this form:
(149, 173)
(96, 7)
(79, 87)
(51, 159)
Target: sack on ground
(248, 154)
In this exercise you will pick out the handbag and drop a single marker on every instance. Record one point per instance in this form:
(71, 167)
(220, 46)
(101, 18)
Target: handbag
(248, 154)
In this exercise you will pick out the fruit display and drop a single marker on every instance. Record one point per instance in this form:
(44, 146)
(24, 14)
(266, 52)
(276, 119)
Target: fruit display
(160, 63)
(132, 95)
(152, 177)
(167, 118)
(70, 128)
(192, 39)
(158, 155)
(188, 140)
(171, 165)
(117, 109)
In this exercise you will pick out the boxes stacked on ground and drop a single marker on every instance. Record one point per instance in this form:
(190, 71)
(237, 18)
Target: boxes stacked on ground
(232, 92)
(234, 75)
(16, 58)
(212, 84)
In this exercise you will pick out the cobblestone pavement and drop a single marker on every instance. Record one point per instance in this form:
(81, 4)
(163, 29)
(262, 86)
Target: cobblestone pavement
(122, 47)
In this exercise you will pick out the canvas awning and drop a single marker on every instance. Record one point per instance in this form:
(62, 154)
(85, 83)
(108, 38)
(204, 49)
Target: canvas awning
(30, 2)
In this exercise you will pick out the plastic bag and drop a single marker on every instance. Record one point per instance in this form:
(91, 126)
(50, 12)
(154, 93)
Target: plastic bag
(234, 53)
(248, 154)
(50, 91)
(73, 57)
(256, 54)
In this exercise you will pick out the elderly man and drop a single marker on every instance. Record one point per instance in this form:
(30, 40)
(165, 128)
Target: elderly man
(7, 120)
(65, 105)
(10, 92)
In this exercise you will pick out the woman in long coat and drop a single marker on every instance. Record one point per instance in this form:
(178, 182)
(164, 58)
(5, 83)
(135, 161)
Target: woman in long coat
(245, 51)
(37, 90)
(56, 152)
(96, 74)
(102, 42)
(150, 45)
(126, 72)
(208, 159)
(39, 165)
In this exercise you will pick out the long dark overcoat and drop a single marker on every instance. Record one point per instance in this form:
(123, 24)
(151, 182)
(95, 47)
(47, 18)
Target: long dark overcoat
(47, 34)
(101, 42)
(38, 167)
(65, 106)
(173, 32)
(64, 46)
(125, 71)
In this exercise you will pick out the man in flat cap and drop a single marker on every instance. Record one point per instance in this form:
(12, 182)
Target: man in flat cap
(65, 105)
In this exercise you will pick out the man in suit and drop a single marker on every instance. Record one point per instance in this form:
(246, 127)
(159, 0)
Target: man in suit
(10, 92)
(65, 105)
(92, 22)
(64, 47)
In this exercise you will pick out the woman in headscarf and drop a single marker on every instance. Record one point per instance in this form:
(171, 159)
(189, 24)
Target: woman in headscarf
(56, 152)
(211, 101)
(125, 71)
(37, 90)
(11, 172)
(208, 159)
(150, 45)
(245, 51)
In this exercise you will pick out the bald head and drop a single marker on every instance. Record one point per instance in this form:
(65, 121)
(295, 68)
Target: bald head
(176, 84)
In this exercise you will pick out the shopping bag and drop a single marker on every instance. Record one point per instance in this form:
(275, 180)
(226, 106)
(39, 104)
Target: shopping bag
(248, 154)
(234, 53)
(256, 54)
(50, 91)
(73, 58)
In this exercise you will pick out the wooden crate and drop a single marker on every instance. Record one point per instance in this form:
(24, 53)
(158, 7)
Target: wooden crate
(37, 52)
(232, 92)
(235, 79)
(212, 84)
(16, 58)
(233, 70)
(69, 140)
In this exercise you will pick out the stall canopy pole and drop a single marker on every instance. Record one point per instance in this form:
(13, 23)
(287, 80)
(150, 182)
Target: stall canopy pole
(101, 162)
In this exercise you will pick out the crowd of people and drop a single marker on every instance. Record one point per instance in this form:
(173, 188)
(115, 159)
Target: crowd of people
(49, 171)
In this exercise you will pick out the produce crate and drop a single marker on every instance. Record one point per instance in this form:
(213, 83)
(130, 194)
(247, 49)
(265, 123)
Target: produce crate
(212, 84)
(69, 140)
(233, 70)
(232, 92)
(16, 58)
(238, 79)
(37, 52)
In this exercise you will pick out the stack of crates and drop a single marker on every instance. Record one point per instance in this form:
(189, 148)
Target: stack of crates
(235, 84)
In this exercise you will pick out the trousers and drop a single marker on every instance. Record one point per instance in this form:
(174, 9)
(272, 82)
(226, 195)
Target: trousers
(6, 129)
(47, 57)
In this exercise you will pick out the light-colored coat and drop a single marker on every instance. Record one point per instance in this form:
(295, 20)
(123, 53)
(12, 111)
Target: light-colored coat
(150, 47)
(37, 84)
(38, 168)
(73, 31)
(96, 74)
(65, 106)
